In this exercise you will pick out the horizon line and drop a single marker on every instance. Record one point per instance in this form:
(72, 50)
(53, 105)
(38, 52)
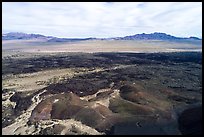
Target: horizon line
(100, 37)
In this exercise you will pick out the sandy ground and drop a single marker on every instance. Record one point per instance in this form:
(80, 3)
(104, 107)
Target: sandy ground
(38, 80)
(69, 123)
(20, 126)
(6, 96)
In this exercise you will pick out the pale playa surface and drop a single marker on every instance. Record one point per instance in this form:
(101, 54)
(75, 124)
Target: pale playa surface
(99, 46)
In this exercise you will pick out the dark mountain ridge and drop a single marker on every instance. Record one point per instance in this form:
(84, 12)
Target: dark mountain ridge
(154, 36)
(143, 36)
(24, 36)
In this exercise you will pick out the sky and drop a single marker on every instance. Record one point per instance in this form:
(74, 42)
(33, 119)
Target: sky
(102, 19)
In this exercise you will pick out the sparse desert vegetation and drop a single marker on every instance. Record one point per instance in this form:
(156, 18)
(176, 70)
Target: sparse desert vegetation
(101, 91)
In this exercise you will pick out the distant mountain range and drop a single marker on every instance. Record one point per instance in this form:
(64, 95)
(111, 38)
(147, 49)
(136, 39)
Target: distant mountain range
(143, 36)
(19, 35)
(154, 36)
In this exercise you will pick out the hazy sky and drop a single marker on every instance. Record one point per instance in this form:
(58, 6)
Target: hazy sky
(103, 19)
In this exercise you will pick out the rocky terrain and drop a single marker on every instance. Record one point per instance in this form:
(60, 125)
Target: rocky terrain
(101, 93)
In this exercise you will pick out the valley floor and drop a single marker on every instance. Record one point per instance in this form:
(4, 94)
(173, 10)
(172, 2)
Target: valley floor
(101, 93)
